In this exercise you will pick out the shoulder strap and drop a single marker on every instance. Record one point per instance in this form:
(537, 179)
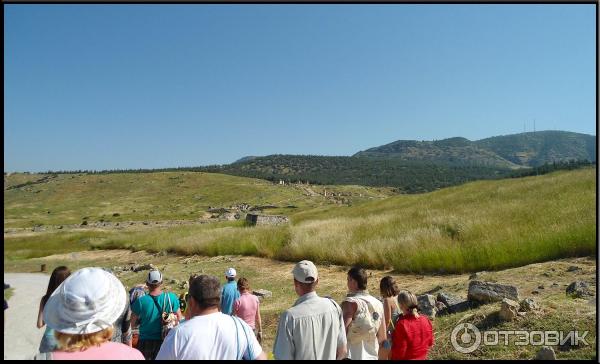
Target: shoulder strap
(249, 345)
(337, 308)
(156, 303)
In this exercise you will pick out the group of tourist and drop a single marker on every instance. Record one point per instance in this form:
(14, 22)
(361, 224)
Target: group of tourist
(88, 315)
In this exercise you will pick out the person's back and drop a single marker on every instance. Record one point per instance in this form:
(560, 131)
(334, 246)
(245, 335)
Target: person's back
(412, 338)
(317, 328)
(148, 310)
(229, 292)
(313, 329)
(413, 335)
(246, 307)
(210, 337)
(362, 336)
(363, 318)
(105, 351)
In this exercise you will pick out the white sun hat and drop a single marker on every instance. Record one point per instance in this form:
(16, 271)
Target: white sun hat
(88, 301)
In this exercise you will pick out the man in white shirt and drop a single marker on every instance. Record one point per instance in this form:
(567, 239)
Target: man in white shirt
(363, 318)
(313, 329)
(210, 334)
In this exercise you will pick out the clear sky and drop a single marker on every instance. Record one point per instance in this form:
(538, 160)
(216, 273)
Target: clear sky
(152, 86)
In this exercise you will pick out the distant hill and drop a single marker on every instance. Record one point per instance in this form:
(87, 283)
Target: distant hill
(454, 151)
(407, 176)
(535, 149)
(508, 151)
(245, 159)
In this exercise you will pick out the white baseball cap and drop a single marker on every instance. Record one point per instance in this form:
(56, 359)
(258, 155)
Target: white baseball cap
(230, 273)
(154, 277)
(88, 301)
(305, 272)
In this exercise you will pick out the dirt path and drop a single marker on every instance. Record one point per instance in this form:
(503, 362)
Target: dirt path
(21, 336)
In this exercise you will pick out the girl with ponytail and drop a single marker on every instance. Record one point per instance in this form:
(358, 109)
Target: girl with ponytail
(413, 334)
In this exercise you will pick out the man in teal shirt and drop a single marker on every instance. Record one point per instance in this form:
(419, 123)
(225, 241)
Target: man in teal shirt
(229, 292)
(148, 310)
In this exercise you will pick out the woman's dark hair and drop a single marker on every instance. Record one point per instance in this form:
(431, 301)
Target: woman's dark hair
(388, 287)
(359, 275)
(59, 274)
(243, 284)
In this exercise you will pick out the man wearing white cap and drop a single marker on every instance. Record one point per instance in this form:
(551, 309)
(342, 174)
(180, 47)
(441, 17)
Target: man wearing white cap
(148, 310)
(82, 311)
(313, 329)
(229, 293)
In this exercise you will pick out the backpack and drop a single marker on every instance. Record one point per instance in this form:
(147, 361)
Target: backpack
(168, 320)
(366, 321)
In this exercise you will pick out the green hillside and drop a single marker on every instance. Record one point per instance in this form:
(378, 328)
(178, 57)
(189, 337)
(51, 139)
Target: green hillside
(507, 151)
(453, 151)
(406, 176)
(483, 225)
(535, 149)
(56, 199)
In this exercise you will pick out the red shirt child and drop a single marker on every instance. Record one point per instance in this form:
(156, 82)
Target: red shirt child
(412, 338)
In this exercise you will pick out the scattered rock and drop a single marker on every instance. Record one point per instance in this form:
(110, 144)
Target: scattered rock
(487, 292)
(262, 293)
(60, 227)
(554, 284)
(545, 353)
(84, 223)
(535, 292)
(541, 286)
(573, 268)
(441, 308)
(528, 304)
(508, 309)
(116, 214)
(145, 223)
(426, 304)
(578, 289)
(139, 268)
(546, 274)
(475, 275)
(433, 290)
(454, 304)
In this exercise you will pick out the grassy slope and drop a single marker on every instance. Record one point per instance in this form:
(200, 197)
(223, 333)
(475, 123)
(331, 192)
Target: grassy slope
(480, 225)
(147, 196)
(484, 225)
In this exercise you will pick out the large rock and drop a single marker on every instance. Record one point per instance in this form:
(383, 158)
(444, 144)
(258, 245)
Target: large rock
(139, 268)
(509, 309)
(528, 304)
(262, 293)
(487, 292)
(453, 304)
(578, 289)
(545, 353)
(426, 304)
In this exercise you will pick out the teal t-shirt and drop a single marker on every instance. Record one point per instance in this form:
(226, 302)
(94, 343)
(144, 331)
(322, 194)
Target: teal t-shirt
(149, 315)
(229, 294)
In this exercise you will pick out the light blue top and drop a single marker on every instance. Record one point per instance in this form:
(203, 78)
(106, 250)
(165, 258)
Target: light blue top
(229, 293)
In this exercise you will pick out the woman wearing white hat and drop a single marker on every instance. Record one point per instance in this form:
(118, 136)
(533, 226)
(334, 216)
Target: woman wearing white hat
(82, 311)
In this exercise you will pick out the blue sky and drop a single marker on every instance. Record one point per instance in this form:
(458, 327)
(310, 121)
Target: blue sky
(152, 86)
